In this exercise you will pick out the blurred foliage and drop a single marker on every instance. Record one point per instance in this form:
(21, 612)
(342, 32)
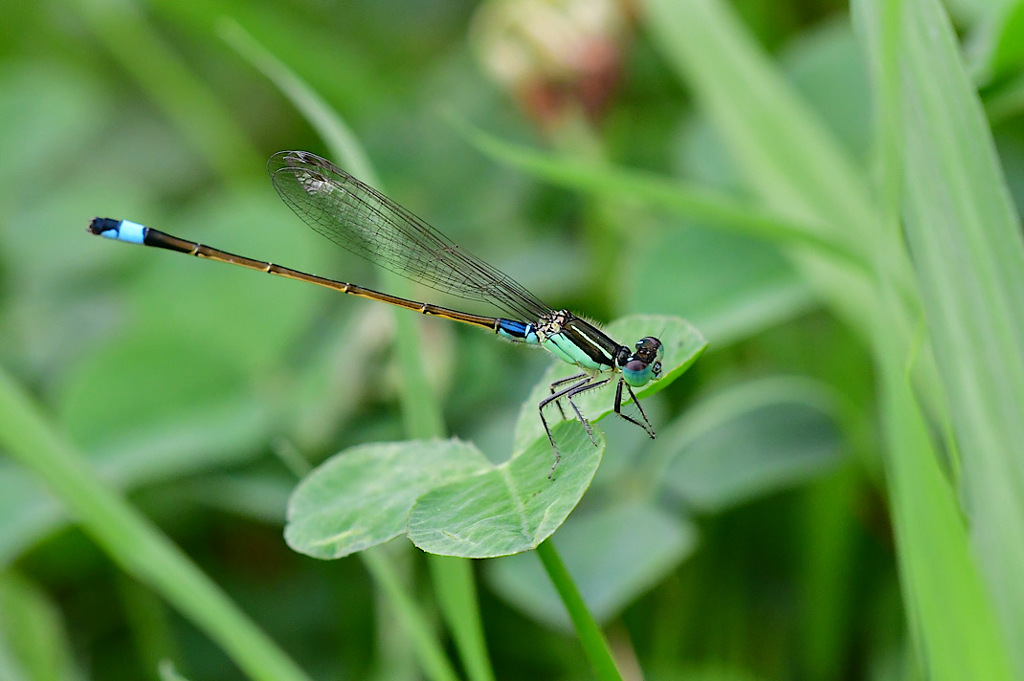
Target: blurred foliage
(752, 540)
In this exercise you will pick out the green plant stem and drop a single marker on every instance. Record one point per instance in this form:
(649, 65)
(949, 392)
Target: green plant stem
(132, 541)
(594, 644)
(428, 652)
(456, 594)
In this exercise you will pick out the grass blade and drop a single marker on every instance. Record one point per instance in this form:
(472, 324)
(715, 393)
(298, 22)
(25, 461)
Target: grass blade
(132, 542)
(965, 240)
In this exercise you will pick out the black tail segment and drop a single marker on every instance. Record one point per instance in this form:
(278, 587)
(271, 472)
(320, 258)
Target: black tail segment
(101, 225)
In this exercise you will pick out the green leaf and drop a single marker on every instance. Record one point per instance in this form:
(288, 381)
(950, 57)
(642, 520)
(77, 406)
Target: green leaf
(998, 45)
(33, 642)
(785, 154)
(130, 539)
(682, 344)
(513, 507)
(168, 672)
(968, 254)
(784, 151)
(614, 555)
(750, 440)
(361, 497)
(146, 454)
(454, 502)
(692, 270)
(694, 202)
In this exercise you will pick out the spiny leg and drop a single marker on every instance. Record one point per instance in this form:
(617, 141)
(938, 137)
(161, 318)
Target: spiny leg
(553, 398)
(573, 393)
(646, 425)
(562, 381)
(575, 389)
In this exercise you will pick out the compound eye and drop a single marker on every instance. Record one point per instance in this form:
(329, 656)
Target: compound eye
(635, 365)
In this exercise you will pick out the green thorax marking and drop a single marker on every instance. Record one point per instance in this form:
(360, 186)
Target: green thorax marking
(574, 341)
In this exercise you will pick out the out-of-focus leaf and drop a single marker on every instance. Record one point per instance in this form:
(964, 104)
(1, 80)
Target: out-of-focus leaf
(750, 440)
(968, 254)
(727, 285)
(146, 454)
(32, 638)
(614, 555)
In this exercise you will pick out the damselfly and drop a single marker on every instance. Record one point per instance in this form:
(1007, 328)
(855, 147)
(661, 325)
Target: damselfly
(372, 226)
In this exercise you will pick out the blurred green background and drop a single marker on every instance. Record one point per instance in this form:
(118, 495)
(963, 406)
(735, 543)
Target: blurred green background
(195, 388)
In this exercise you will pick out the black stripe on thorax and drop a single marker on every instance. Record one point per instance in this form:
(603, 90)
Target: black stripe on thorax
(594, 342)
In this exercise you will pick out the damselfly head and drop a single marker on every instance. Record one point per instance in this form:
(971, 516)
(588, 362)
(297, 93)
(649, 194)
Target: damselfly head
(644, 364)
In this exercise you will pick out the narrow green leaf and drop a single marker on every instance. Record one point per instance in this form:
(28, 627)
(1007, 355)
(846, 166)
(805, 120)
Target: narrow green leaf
(33, 643)
(513, 507)
(699, 203)
(421, 413)
(329, 125)
(785, 154)
(594, 644)
(131, 540)
(222, 435)
(965, 240)
(455, 586)
(422, 416)
(406, 609)
(950, 615)
(953, 618)
(168, 672)
(784, 151)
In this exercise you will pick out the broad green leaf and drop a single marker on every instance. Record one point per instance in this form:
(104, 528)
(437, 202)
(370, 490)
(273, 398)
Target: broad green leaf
(750, 440)
(361, 497)
(682, 345)
(614, 555)
(512, 507)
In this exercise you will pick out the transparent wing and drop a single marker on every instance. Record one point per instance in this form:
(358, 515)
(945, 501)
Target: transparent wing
(362, 220)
